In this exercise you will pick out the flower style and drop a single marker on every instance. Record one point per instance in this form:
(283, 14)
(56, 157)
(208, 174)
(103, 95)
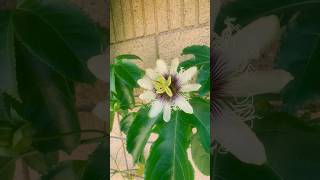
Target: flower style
(166, 88)
(231, 79)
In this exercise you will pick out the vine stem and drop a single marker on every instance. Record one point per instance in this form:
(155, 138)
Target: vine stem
(92, 140)
(68, 134)
(85, 141)
(123, 145)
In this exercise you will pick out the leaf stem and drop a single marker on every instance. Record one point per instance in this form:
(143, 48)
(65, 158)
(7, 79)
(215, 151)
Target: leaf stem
(123, 146)
(93, 140)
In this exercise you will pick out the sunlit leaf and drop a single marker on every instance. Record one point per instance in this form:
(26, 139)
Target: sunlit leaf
(168, 158)
(139, 133)
(201, 120)
(127, 57)
(201, 59)
(200, 156)
(127, 121)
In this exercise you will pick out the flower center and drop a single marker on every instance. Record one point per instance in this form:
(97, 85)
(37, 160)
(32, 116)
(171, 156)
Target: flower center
(162, 85)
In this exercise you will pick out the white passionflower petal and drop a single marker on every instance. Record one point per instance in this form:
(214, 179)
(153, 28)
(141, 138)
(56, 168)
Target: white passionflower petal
(174, 66)
(147, 96)
(183, 104)
(190, 87)
(257, 36)
(234, 135)
(187, 75)
(101, 110)
(145, 83)
(151, 74)
(165, 87)
(156, 108)
(161, 66)
(98, 66)
(167, 112)
(258, 82)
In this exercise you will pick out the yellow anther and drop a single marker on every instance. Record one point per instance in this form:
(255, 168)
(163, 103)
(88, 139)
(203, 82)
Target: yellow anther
(162, 85)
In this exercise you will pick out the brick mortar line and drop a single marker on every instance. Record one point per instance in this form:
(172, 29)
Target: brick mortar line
(144, 18)
(197, 11)
(122, 18)
(168, 15)
(182, 15)
(113, 25)
(157, 29)
(133, 18)
(187, 28)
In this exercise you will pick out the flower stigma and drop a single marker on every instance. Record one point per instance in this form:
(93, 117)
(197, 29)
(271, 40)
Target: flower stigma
(162, 85)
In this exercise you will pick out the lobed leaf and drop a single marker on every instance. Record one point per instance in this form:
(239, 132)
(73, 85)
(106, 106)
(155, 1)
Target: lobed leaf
(168, 158)
(7, 55)
(139, 133)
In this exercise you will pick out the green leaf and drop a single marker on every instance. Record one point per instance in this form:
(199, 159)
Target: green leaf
(71, 170)
(98, 165)
(124, 94)
(104, 36)
(200, 156)
(300, 150)
(22, 138)
(201, 120)
(246, 11)
(204, 80)
(299, 54)
(112, 113)
(34, 31)
(139, 133)
(69, 22)
(48, 104)
(128, 73)
(42, 162)
(4, 113)
(112, 80)
(20, 2)
(201, 59)
(6, 135)
(16, 134)
(7, 168)
(168, 158)
(123, 78)
(127, 57)
(201, 56)
(8, 62)
(127, 121)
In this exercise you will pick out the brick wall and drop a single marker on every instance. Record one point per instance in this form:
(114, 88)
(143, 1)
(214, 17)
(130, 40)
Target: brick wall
(155, 29)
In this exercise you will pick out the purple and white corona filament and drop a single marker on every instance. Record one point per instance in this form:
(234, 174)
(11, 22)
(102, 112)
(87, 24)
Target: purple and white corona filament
(166, 88)
(232, 81)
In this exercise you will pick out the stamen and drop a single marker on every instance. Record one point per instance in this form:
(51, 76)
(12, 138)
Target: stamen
(162, 85)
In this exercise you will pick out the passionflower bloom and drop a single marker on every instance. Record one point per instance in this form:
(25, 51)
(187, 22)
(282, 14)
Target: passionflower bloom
(231, 81)
(166, 88)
